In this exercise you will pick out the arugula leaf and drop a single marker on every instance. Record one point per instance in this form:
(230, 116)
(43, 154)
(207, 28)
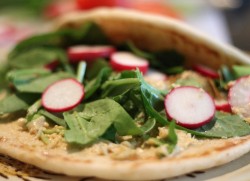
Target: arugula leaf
(33, 109)
(149, 125)
(17, 102)
(53, 118)
(90, 124)
(227, 74)
(226, 125)
(241, 70)
(40, 84)
(170, 141)
(172, 137)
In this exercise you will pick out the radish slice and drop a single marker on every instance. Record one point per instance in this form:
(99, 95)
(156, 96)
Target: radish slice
(155, 75)
(127, 61)
(88, 53)
(206, 71)
(239, 97)
(63, 95)
(189, 106)
(222, 105)
(52, 65)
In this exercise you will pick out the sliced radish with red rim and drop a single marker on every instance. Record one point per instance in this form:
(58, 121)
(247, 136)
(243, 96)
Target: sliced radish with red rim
(89, 53)
(190, 107)
(63, 95)
(222, 105)
(155, 75)
(121, 61)
(239, 97)
(206, 71)
(52, 65)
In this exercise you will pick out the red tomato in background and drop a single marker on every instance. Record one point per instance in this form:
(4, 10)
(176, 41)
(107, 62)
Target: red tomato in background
(89, 4)
(58, 8)
(155, 8)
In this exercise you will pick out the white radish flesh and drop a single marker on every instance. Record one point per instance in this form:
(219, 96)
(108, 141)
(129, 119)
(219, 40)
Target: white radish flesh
(155, 75)
(63, 95)
(206, 71)
(127, 61)
(190, 107)
(89, 53)
(239, 97)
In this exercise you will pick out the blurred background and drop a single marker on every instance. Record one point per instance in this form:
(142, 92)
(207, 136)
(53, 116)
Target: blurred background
(224, 20)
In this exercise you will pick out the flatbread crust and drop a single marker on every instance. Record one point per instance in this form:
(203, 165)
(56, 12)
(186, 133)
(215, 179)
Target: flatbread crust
(205, 154)
(152, 33)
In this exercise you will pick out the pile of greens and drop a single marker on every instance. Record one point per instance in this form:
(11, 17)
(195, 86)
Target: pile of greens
(114, 103)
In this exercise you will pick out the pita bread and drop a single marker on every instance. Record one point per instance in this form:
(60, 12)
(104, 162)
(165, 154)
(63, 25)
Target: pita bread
(152, 33)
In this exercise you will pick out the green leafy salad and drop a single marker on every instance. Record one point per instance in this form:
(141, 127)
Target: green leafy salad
(102, 102)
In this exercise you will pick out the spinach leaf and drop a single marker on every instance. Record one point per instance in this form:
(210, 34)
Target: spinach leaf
(226, 125)
(17, 102)
(81, 131)
(40, 84)
(92, 86)
(63, 59)
(25, 76)
(114, 88)
(97, 66)
(144, 54)
(154, 96)
(169, 61)
(34, 58)
(89, 33)
(95, 119)
(39, 57)
(110, 134)
(4, 68)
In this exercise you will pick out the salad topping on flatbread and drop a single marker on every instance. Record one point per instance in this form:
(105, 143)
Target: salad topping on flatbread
(91, 104)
